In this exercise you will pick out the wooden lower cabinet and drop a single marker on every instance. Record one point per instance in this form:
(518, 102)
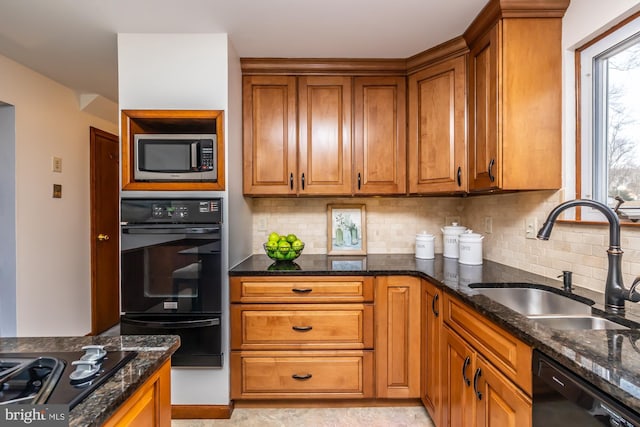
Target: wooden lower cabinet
(431, 368)
(504, 404)
(459, 362)
(486, 371)
(398, 336)
(150, 405)
(302, 374)
(302, 337)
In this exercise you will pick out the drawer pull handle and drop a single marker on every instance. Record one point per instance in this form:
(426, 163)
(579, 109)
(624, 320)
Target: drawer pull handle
(466, 380)
(301, 377)
(476, 376)
(302, 328)
(436, 297)
(302, 290)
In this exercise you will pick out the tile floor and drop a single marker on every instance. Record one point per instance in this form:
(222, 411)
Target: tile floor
(319, 417)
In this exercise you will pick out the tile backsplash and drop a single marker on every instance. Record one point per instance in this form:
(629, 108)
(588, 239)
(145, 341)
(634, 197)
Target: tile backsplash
(392, 224)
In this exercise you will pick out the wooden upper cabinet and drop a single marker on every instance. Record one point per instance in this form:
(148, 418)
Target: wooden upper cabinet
(379, 135)
(515, 89)
(324, 117)
(484, 171)
(270, 135)
(436, 160)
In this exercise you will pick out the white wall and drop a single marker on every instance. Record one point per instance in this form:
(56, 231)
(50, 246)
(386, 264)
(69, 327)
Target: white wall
(189, 72)
(7, 220)
(53, 282)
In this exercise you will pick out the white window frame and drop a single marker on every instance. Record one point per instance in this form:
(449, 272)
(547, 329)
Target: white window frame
(592, 154)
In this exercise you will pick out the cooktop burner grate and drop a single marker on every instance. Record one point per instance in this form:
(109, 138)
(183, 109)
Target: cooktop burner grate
(53, 377)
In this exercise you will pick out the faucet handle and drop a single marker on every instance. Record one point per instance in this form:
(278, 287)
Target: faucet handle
(634, 296)
(566, 280)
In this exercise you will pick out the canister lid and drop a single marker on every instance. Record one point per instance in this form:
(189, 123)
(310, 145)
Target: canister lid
(425, 236)
(454, 228)
(470, 236)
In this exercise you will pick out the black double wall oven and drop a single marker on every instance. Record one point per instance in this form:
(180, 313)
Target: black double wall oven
(171, 274)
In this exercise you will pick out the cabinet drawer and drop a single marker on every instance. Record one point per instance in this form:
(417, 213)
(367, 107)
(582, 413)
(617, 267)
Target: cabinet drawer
(301, 326)
(313, 374)
(507, 353)
(301, 289)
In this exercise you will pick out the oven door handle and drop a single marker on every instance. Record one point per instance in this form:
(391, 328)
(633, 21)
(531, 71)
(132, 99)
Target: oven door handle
(187, 230)
(184, 324)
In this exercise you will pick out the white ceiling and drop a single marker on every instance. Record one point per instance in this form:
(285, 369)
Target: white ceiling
(74, 41)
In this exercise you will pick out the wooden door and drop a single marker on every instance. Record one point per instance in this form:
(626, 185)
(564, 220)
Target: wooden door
(484, 156)
(324, 117)
(397, 325)
(458, 366)
(105, 230)
(437, 155)
(500, 403)
(431, 358)
(270, 132)
(379, 135)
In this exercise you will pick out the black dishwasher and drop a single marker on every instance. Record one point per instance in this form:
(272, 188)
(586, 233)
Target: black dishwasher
(561, 398)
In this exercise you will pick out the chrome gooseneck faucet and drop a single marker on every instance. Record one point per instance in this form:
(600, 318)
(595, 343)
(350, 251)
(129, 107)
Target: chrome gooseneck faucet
(615, 293)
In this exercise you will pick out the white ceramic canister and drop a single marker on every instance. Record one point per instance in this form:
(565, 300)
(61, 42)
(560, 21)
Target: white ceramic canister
(425, 245)
(450, 235)
(470, 246)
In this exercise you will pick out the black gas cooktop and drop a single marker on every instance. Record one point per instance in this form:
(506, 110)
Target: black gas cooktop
(57, 377)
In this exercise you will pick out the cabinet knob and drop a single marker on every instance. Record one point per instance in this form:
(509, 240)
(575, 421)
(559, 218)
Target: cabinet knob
(359, 180)
(459, 176)
(303, 180)
(302, 328)
(291, 181)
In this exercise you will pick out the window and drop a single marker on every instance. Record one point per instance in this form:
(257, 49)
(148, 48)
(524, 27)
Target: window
(609, 79)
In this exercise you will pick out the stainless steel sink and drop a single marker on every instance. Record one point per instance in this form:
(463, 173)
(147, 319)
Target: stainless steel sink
(549, 308)
(536, 302)
(576, 322)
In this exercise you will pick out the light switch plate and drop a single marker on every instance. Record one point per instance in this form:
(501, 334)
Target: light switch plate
(56, 164)
(531, 228)
(488, 225)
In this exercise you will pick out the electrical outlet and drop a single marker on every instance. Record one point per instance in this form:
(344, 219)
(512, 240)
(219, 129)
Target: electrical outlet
(531, 228)
(448, 220)
(488, 225)
(262, 224)
(56, 164)
(57, 191)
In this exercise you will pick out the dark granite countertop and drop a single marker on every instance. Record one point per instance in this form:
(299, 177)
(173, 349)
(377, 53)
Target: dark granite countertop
(609, 359)
(153, 351)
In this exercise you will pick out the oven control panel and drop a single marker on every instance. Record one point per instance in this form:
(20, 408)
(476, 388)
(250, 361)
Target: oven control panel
(161, 211)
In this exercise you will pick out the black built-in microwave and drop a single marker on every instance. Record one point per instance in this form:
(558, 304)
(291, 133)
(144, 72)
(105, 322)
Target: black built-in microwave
(175, 157)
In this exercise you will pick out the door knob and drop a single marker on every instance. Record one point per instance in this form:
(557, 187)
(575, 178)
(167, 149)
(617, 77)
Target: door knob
(103, 237)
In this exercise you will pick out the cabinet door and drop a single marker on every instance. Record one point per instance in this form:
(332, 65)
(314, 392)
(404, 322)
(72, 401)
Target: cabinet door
(500, 403)
(324, 114)
(437, 156)
(431, 361)
(397, 321)
(484, 161)
(459, 364)
(379, 135)
(270, 132)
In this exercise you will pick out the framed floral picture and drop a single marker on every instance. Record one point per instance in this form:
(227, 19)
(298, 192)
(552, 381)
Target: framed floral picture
(347, 233)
